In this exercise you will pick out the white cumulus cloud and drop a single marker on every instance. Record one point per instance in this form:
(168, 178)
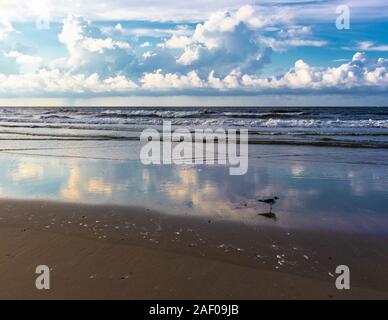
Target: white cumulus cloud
(5, 28)
(22, 58)
(78, 44)
(159, 81)
(56, 82)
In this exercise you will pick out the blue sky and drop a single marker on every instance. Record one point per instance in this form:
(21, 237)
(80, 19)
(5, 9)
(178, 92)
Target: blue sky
(165, 52)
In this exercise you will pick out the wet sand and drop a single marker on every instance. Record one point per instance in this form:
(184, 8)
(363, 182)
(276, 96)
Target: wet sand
(111, 252)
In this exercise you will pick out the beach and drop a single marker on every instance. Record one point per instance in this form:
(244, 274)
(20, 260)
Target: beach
(76, 197)
(112, 252)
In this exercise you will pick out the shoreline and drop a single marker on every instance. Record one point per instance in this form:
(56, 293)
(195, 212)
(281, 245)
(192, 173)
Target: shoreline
(324, 143)
(115, 252)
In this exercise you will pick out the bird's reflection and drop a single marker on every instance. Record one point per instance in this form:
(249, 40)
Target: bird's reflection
(269, 215)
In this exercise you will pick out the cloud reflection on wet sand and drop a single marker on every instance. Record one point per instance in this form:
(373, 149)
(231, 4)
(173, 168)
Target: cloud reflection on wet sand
(325, 194)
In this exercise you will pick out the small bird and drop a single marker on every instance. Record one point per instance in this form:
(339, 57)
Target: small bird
(270, 201)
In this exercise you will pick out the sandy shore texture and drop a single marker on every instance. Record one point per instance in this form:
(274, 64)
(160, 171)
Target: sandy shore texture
(108, 252)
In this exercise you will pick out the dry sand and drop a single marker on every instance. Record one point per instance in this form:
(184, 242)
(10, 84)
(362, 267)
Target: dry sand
(108, 252)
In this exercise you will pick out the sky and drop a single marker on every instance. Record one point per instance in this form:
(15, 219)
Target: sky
(219, 52)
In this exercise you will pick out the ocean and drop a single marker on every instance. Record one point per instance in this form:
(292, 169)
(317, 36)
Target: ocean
(334, 126)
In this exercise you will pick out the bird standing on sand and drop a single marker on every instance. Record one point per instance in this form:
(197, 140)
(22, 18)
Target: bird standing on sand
(271, 202)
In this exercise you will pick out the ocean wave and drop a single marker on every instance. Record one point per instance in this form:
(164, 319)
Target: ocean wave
(203, 122)
(265, 115)
(309, 123)
(169, 114)
(55, 116)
